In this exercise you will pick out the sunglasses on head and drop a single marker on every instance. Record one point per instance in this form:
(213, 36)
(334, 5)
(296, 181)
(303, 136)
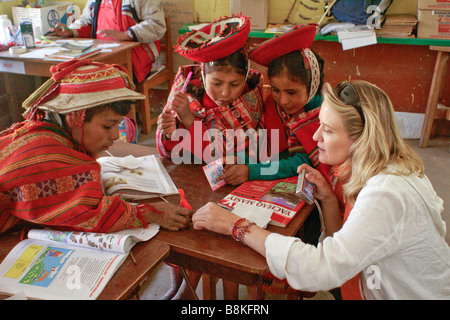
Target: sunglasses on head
(348, 95)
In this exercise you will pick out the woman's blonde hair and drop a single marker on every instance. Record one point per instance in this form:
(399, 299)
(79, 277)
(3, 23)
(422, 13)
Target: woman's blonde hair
(378, 142)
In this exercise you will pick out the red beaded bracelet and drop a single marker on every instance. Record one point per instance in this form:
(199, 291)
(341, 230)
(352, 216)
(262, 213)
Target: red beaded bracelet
(238, 232)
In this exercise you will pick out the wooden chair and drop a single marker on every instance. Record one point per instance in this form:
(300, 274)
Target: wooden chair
(166, 75)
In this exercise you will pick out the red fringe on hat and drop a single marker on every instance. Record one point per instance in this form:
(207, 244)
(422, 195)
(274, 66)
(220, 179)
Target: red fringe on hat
(233, 40)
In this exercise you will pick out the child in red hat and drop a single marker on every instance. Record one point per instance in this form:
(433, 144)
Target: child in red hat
(50, 175)
(221, 95)
(291, 110)
(290, 119)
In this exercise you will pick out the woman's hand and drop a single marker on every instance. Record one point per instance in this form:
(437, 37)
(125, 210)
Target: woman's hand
(332, 216)
(180, 104)
(323, 189)
(171, 216)
(235, 174)
(214, 218)
(217, 219)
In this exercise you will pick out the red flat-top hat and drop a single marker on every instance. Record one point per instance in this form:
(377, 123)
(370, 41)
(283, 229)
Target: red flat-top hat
(216, 40)
(300, 37)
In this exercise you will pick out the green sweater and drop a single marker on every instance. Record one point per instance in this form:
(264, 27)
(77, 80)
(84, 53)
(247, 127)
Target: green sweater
(287, 165)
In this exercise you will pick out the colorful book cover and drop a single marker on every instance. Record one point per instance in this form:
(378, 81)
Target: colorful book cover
(277, 195)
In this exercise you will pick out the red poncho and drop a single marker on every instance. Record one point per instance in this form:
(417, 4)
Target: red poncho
(46, 179)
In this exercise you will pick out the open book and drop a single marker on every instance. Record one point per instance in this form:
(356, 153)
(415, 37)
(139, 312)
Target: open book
(67, 265)
(78, 46)
(136, 178)
(262, 202)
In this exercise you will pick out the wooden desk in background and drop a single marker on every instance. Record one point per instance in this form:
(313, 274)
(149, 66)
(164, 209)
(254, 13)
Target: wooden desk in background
(204, 251)
(16, 85)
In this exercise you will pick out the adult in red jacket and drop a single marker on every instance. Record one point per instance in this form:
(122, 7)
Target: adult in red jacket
(123, 20)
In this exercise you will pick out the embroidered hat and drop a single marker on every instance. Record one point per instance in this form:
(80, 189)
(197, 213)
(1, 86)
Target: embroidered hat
(81, 84)
(300, 37)
(216, 40)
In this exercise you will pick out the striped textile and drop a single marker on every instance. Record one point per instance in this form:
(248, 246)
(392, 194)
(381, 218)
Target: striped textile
(46, 179)
(243, 113)
(299, 130)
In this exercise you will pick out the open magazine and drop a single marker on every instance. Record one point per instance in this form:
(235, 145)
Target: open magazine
(135, 178)
(265, 202)
(71, 265)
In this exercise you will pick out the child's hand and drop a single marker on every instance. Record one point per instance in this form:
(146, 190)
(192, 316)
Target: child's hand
(166, 124)
(180, 104)
(235, 174)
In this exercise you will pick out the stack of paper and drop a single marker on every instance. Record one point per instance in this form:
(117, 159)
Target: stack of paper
(357, 37)
(65, 55)
(398, 26)
(78, 46)
(279, 27)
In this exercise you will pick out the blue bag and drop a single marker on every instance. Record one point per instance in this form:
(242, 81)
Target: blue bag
(361, 11)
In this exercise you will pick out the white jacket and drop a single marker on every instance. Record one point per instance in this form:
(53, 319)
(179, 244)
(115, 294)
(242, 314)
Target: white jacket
(393, 237)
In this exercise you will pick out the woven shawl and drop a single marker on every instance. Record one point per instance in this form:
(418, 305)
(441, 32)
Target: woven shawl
(47, 179)
(243, 113)
(295, 132)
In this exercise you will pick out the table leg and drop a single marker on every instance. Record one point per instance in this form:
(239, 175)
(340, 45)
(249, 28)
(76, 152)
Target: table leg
(209, 287)
(440, 70)
(188, 282)
(256, 293)
(14, 110)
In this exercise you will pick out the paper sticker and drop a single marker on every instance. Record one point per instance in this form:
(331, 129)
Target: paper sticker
(213, 171)
(12, 66)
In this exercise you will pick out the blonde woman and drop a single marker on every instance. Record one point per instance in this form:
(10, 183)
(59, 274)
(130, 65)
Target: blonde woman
(389, 243)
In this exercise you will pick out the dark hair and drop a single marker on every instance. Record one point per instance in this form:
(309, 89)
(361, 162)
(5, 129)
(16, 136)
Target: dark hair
(237, 61)
(293, 67)
(119, 107)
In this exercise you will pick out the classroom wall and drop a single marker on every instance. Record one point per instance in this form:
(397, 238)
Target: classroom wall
(403, 71)
(5, 7)
(208, 10)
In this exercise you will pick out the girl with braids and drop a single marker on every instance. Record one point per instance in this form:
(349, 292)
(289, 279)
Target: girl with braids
(291, 111)
(223, 95)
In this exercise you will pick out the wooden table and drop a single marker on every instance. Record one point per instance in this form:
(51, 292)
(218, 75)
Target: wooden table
(204, 251)
(127, 279)
(16, 84)
(39, 67)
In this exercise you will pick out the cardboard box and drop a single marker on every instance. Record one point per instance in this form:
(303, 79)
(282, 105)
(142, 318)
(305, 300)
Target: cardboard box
(434, 5)
(433, 24)
(48, 16)
(256, 10)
